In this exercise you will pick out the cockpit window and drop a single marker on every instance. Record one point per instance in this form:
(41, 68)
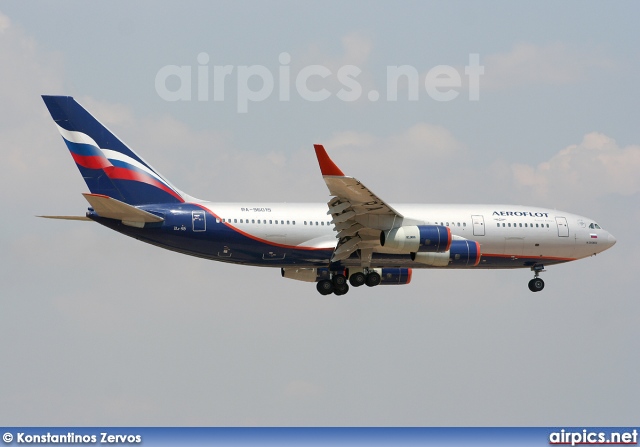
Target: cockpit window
(597, 226)
(594, 225)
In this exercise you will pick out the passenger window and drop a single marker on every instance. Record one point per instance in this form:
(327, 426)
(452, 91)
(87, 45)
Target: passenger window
(502, 224)
(321, 223)
(253, 221)
(317, 223)
(498, 223)
(520, 225)
(305, 222)
(270, 222)
(293, 222)
(464, 224)
(509, 224)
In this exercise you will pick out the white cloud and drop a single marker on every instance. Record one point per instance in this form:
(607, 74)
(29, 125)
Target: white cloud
(528, 63)
(422, 139)
(592, 169)
(5, 22)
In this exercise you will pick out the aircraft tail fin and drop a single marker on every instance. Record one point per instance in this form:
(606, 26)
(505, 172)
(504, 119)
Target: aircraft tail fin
(109, 167)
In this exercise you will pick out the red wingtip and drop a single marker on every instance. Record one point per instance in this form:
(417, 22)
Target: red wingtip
(327, 166)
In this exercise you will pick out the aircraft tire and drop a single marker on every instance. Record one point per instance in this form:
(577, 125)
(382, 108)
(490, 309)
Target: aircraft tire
(339, 281)
(373, 279)
(342, 290)
(536, 285)
(357, 279)
(325, 287)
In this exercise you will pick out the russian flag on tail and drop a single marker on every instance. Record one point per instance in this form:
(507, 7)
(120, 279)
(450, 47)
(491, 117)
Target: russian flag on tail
(108, 166)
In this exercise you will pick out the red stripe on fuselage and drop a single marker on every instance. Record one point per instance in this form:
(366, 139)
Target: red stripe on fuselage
(542, 258)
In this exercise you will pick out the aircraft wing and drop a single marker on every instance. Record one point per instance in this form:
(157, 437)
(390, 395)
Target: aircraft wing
(358, 214)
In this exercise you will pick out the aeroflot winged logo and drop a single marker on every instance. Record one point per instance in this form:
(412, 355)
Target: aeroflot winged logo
(520, 213)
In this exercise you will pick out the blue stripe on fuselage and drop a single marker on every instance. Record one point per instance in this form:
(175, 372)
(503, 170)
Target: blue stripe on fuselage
(224, 243)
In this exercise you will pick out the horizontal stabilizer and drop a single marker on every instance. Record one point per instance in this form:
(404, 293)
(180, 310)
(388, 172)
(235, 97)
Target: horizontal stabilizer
(66, 217)
(111, 208)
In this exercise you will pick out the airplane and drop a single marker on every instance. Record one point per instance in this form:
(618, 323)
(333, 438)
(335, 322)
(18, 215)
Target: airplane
(355, 239)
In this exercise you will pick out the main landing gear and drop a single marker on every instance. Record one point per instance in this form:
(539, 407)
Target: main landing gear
(338, 282)
(537, 284)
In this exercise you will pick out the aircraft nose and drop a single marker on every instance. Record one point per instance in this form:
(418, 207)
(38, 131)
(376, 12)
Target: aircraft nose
(612, 240)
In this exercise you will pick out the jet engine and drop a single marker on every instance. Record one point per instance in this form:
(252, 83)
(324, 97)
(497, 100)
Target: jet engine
(417, 238)
(462, 253)
(395, 276)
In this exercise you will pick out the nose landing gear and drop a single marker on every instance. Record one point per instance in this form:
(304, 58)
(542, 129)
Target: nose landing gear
(537, 284)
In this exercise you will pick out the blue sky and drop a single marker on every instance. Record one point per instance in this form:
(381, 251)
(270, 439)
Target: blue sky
(99, 329)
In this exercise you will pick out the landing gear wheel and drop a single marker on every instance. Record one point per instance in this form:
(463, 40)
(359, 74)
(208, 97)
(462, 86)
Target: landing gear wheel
(325, 287)
(373, 279)
(342, 290)
(357, 279)
(339, 281)
(536, 284)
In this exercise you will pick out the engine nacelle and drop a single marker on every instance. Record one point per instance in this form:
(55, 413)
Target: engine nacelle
(463, 253)
(417, 238)
(395, 276)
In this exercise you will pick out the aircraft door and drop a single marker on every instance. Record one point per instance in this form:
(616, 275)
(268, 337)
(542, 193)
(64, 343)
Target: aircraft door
(478, 225)
(563, 226)
(198, 221)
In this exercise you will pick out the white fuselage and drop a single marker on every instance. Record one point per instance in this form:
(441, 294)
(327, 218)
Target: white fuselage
(503, 231)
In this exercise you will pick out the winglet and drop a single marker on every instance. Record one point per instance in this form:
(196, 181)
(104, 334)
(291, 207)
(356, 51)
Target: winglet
(327, 166)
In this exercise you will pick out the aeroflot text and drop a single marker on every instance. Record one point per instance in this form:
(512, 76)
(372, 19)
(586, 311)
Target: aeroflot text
(520, 213)
(256, 83)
